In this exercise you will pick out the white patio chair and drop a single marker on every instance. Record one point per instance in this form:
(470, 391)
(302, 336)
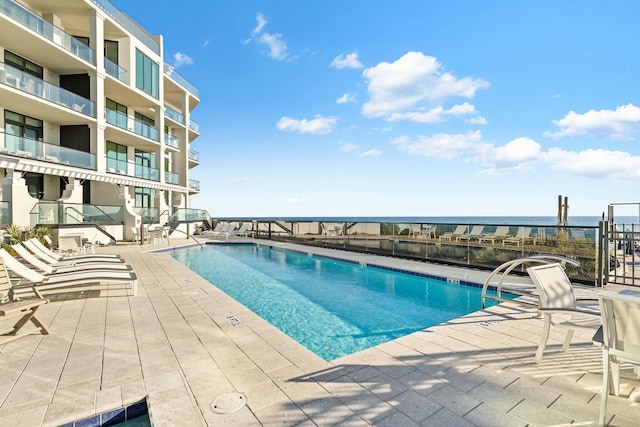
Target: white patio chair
(557, 298)
(621, 340)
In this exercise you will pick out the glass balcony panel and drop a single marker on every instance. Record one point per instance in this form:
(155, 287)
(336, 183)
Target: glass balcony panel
(117, 166)
(30, 148)
(47, 30)
(194, 155)
(13, 77)
(145, 130)
(170, 177)
(171, 72)
(117, 118)
(189, 214)
(173, 114)
(5, 214)
(194, 126)
(75, 213)
(146, 172)
(171, 141)
(148, 215)
(194, 184)
(114, 70)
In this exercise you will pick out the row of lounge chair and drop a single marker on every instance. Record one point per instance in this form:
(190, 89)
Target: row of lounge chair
(501, 235)
(38, 269)
(228, 229)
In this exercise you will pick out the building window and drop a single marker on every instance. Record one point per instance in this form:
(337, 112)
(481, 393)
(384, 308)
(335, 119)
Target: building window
(147, 74)
(144, 197)
(23, 64)
(144, 119)
(35, 184)
(21, 125)
(146, 165)
(111, 51)
(116, 158)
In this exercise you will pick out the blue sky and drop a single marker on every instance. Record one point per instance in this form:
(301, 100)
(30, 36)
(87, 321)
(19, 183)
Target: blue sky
(408, 108)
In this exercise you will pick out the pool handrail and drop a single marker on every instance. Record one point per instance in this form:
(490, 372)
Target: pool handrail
(509, 266)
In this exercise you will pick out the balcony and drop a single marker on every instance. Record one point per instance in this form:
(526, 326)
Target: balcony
(114, 70)
(15, 78)
(128, 24)
(171, 141)
(194, 184)
(27, 18)
(172, 73)
(38, 150)
(123, 121)
(194, 156)
(122, 167)
(75, 213)
(171, 177)
(173, 115)
(194, 126)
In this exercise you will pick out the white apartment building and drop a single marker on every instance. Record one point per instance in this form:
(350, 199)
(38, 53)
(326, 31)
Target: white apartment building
(96, 128)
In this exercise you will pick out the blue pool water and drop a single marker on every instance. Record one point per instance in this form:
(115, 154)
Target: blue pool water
(334, 308)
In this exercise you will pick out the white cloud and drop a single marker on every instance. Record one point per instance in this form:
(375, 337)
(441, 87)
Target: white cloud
(478, 120)
(414, 87)
(319, 125)
(435, 115)
(371, 153)
(179, 59)
(347, 146)
(260, 23)
(348, 60)
(620, 123)
(347, 97)
(522, 155)
(277, 46)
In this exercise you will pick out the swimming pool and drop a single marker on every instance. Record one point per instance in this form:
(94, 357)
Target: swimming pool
(332, 307)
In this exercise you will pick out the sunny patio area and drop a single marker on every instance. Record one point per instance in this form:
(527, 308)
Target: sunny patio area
(176, 345)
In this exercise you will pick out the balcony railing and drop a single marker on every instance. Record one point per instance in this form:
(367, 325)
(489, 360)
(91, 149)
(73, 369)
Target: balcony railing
(123, 121)
(194, 126)
(32, 149)
(147, 215)
(171, 141)
(114, 70)
(129, 25)
(123, 167)
(189, 214)
(24, 16)
(171, 177)
(173, 114)
(75, 213)
(171, 72)
(194, 155)
(13, 77)
(5, 214)
(194, 184)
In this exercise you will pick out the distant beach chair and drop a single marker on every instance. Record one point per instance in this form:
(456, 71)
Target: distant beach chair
(501, 233)
(459, 231)
(474, 234)
(522, 236)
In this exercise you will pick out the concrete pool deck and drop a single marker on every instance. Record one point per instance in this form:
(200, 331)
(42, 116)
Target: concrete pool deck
(175, 345)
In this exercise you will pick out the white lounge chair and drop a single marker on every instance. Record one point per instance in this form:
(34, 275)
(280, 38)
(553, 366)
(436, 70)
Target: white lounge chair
(474, 234)
(557, 298)
(65, 280)
(41, 251)
(241, 231)
(49, 268)
(621, 340)
(500, 234)
(522, 236)
(459, 231)
(11, 307)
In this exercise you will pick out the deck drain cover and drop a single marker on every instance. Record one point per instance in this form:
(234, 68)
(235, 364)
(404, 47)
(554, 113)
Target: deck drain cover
(228, 403)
